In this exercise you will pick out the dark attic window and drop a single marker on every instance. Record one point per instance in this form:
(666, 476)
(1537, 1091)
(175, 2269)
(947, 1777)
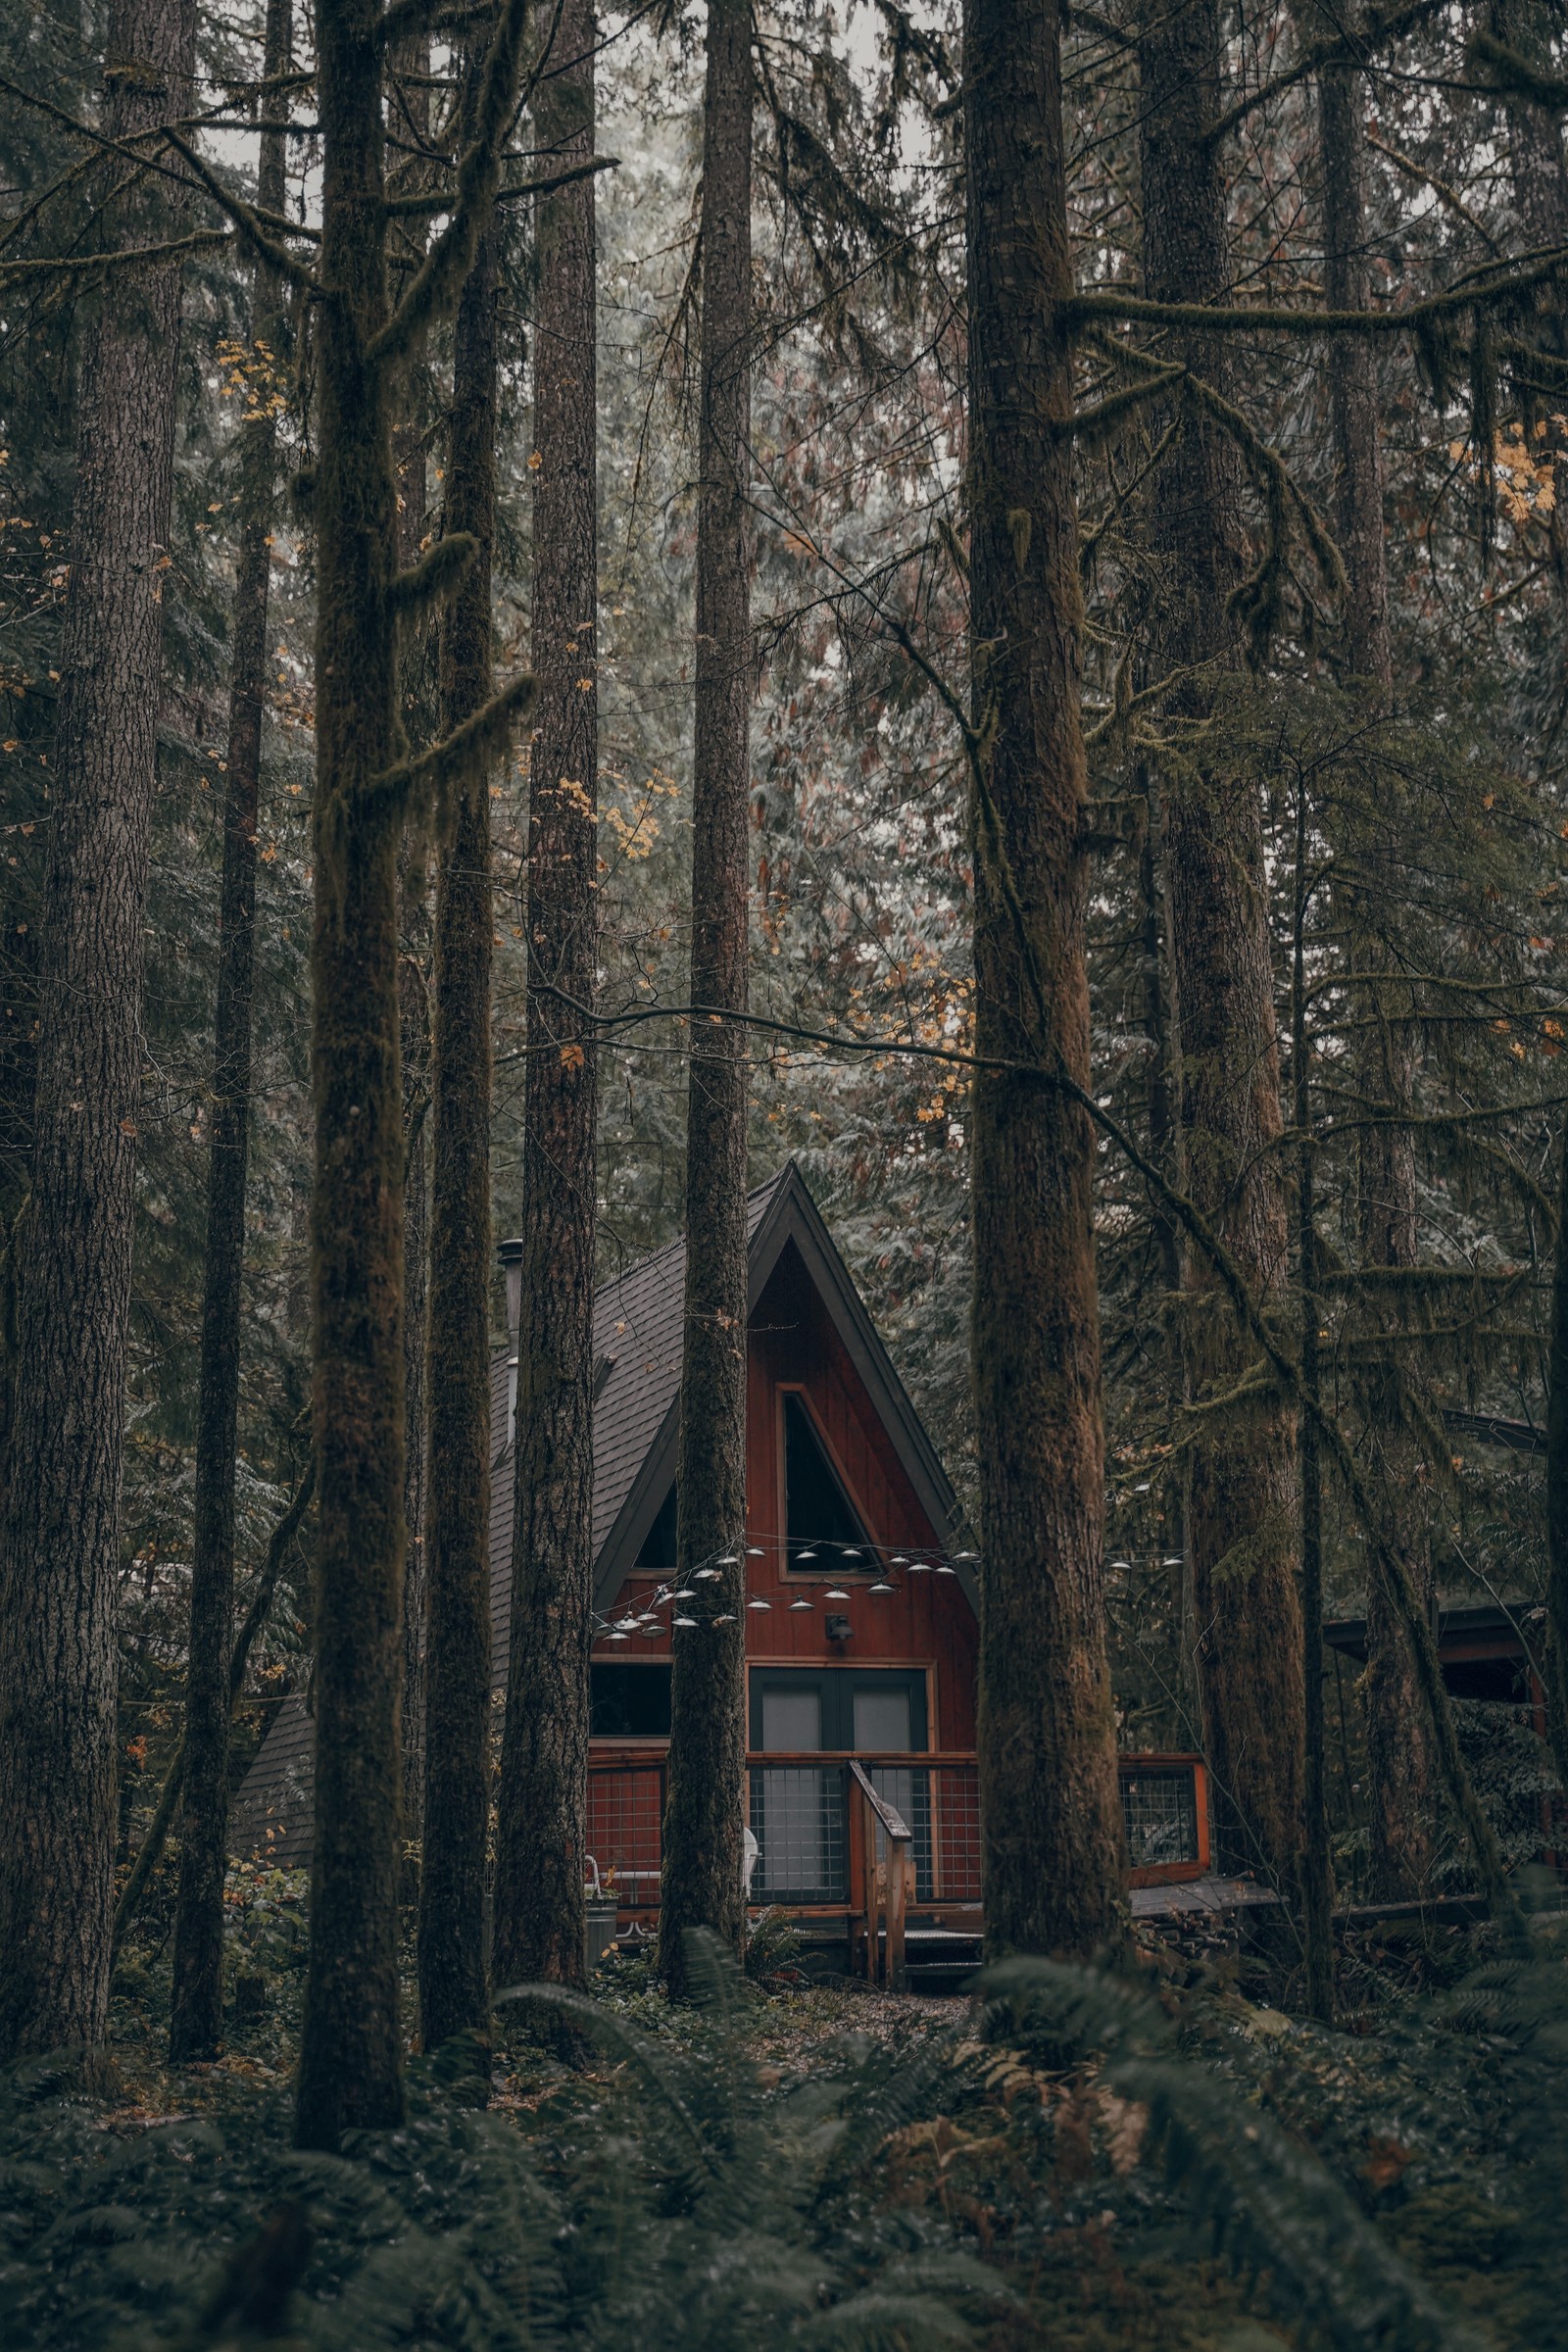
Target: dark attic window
(817, 1510)
(630, 1702)
(658, 1544)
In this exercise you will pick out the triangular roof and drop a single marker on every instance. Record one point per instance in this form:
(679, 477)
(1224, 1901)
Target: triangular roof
(638, 1318)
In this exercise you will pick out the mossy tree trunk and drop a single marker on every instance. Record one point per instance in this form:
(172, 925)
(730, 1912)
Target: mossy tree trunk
(701, 1883)
(418, 689)
(453, 1992)
(60, 1539)
(351, 2049)
(196, 2018)
(539, 1917)
(1401, 1765)
(1240, 1507)
(1053, 1854)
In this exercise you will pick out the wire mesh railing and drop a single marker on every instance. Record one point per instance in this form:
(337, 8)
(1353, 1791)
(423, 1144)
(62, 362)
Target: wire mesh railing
(798, 1807)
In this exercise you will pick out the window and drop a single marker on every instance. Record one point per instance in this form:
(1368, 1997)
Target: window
(629, 1702)
(816, 1508)
(658, 1544)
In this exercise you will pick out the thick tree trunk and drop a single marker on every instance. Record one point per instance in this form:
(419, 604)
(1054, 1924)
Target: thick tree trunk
(60, 1543)
(1240, 1514)
(414, 1039)
(1053, 1839)
(418, 697)
(539, 1921)
(453, 1992)
(702, 1818)
(1401, 1765)
(351, 2049)
(196, 2019)
(1352, 379)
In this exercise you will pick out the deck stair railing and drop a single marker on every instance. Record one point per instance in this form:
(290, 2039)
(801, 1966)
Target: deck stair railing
(887, 1872)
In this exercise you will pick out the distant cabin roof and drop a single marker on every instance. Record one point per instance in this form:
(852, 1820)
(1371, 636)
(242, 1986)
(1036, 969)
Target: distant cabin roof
(638, 1320)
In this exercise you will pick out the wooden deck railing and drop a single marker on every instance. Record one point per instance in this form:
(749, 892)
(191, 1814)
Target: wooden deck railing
(887, 1873)
(826, 1851)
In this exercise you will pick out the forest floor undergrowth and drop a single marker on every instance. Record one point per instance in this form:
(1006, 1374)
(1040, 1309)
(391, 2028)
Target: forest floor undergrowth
(1157, 2157)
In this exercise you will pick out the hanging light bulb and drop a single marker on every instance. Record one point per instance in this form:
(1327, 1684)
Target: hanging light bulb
(900, 1560)
(1123, 1564)
(944, 1570)
(850, 1552)
(683, 1621)
(704, 1576)
(802, 1603)
(685, 1594)
(1173, 1560)
(617, 1637)
(759, 1605)
(725, 1617)
(728, 1559)
(806, 1555)
(966, 1555)
(754, 1552)
(882, 1585)
(919, 1567)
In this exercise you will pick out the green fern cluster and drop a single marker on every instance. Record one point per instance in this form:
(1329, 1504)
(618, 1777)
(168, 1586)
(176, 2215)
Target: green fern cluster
(1065, 2163)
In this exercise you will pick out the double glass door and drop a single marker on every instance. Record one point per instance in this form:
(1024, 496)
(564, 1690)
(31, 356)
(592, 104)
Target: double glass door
(799, 1810)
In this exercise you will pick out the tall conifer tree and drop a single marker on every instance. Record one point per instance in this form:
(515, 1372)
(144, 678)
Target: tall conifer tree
(702, 1825)
(1240, 1510)
(60, 1538)
(197, 2013)
(539, 1933)
(1052, 1857)
(453, 1994)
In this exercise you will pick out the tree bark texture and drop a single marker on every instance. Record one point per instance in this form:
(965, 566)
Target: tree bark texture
(415, 1045)
(1401, 1765)
(418, 691)
(702, 1818)
(60, 1543)
(351, 2049)
(196, 2019)
(1352, 379)
(452, 1994)
(1052, 1844)
(539, 1917)
(1241, 1515)
(1556, 1468)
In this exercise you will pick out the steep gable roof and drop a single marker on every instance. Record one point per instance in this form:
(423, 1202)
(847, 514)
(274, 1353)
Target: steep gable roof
(638, 1318)
(638, 1321)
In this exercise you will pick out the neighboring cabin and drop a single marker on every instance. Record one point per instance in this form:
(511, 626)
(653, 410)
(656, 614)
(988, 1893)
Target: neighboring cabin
(860, 1624)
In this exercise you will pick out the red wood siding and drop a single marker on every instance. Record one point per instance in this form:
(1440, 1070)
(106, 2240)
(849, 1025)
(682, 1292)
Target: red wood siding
(926, 1621)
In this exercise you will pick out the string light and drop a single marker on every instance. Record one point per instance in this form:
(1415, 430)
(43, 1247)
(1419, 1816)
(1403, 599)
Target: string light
(880, 1558)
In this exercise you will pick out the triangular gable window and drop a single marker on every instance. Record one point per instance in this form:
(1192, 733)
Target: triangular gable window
(658, 1544)
(817, 1508)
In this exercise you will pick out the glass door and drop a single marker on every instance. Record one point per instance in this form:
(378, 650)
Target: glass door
(797, 1809)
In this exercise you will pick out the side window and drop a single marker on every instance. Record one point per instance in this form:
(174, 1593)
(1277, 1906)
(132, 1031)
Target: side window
(629, 1702)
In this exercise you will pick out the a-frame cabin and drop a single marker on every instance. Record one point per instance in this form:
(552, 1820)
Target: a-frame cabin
(861, 1618)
